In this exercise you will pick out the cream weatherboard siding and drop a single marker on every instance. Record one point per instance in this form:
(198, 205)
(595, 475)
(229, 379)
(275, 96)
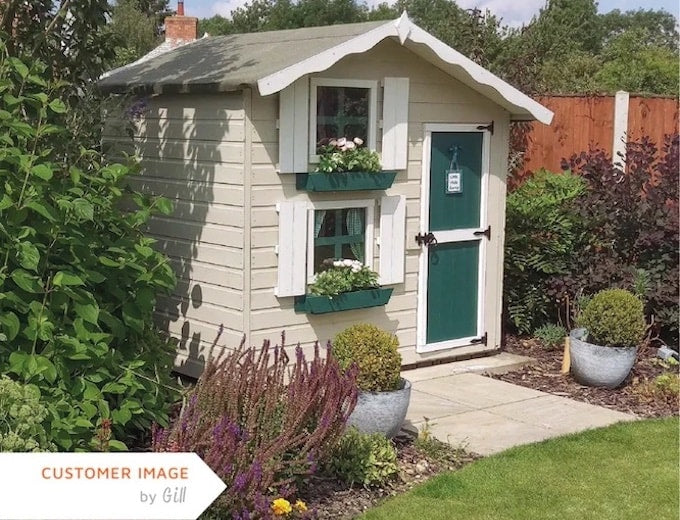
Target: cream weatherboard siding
(193, 151)
(434, 97)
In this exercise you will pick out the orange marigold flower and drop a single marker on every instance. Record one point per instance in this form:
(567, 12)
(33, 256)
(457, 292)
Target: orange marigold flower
(281, 507)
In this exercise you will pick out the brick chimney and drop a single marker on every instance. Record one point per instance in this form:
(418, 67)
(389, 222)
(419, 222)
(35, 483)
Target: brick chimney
(180, 28)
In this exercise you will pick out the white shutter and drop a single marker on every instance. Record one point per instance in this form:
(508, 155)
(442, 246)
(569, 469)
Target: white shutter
(294, 127)
(292, 250)
(395, 124)
(392, 239)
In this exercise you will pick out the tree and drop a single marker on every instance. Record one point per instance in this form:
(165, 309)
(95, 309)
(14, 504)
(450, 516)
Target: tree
(661, 26)
(215, 26)
(135, 32)
(634, 64)
(67, 35)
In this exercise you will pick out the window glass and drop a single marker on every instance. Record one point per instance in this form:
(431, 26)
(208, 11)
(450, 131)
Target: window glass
(339, 233)
(341, 112)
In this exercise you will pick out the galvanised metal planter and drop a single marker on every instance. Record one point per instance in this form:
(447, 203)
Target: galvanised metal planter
(381, 412)
(595, 365)
(315, 304)
(344, 181)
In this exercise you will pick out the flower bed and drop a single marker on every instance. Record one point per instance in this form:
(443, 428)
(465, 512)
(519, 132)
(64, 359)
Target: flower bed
(647, 392)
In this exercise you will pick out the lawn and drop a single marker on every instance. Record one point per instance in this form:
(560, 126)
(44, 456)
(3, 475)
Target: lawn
(627, 471)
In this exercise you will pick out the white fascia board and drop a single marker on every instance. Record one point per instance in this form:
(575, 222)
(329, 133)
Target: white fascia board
(322, 61)
(481, 76)
(405, 30)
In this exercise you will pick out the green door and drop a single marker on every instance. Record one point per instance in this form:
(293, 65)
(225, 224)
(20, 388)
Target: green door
(456, 188)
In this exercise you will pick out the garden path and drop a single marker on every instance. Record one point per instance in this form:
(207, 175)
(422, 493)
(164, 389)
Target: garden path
(486, 415)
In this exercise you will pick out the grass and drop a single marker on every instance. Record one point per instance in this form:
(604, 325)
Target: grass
(626, 471)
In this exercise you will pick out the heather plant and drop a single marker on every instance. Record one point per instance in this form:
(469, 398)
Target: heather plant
(375, 354)
(78, 278)
(262, 422)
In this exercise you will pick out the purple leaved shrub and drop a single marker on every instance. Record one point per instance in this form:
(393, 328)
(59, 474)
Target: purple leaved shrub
(262, 422)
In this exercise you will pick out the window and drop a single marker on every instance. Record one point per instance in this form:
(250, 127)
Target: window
(340, 230)
(342, 108)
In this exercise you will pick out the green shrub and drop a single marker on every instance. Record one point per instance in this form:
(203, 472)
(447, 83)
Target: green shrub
(21, 417)
(614, 317)
(375, 353)
(551, 335)
(78, 278)
(366, 459)
(543, 232)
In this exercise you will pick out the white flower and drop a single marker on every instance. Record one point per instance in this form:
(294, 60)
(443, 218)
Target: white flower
(358, 141)
(347, 262)
(355, 269)
(338, 263)
(341, 142)
(350, 145)
(333, 142)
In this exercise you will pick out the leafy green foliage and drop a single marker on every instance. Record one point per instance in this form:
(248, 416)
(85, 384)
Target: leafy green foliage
(366, 459)
(341, 276)
(343, 155)
(78, 279)
(543, 233)
(21, 417)
(614, 318)
(375, 353)
(551, 335)
(135, 32)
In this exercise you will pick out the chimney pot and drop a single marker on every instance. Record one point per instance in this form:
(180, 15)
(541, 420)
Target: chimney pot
(180, 8)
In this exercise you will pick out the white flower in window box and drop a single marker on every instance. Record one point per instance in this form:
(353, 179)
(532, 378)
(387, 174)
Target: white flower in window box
(344, 154)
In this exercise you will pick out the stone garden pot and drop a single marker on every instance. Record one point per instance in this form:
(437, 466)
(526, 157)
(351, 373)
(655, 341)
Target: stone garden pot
(594, 365)
(381, 412)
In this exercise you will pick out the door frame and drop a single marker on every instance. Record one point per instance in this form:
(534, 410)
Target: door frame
(421, 318)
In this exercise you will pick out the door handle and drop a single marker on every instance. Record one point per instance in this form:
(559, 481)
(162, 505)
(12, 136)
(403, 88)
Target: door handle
(428, 239)
(486, 233)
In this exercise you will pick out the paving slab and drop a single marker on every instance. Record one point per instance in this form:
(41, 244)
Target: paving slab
(487, 415)
(429, 406)
(476, 391)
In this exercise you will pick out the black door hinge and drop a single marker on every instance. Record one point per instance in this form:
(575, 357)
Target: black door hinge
(488, 127)
(481, 340)
(486, 233)
(427, 239)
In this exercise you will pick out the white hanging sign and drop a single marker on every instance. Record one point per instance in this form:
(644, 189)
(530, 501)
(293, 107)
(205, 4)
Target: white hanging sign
(112, 486)
(454, 181)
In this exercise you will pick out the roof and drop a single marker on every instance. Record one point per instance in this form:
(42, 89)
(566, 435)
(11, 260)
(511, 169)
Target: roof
(273, 60)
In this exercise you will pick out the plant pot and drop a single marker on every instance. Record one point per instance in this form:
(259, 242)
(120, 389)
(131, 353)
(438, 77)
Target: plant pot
(344, 181)
(315, 304)
(381, 412)
(595, 365)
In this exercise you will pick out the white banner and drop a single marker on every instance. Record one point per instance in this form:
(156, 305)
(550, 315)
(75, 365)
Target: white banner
(105, 486)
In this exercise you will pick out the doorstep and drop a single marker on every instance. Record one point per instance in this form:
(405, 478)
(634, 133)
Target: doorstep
(498, 364)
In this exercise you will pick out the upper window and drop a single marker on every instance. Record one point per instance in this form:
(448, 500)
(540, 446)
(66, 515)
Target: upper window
(342, 108)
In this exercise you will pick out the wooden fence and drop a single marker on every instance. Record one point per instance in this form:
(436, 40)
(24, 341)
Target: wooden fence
(583, 122)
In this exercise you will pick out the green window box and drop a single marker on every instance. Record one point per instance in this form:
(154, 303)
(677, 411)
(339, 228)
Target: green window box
(344, 181)
(315, 304)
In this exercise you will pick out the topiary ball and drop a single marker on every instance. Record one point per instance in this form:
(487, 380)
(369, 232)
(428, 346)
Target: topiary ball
(614, 318)
(375, 353)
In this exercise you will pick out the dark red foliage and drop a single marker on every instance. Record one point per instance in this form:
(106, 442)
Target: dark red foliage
(632, 218)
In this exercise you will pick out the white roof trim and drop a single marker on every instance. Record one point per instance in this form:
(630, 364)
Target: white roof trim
(405, 30)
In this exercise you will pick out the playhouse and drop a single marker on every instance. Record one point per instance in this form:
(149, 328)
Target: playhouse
(230, 135)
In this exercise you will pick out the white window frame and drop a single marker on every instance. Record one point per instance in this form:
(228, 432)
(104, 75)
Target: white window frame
(367, 204)
(372, 87)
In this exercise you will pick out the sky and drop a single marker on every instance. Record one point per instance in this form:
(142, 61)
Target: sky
(513, 12)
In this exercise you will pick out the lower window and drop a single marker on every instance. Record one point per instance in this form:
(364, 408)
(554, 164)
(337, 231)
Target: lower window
(339, 233)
